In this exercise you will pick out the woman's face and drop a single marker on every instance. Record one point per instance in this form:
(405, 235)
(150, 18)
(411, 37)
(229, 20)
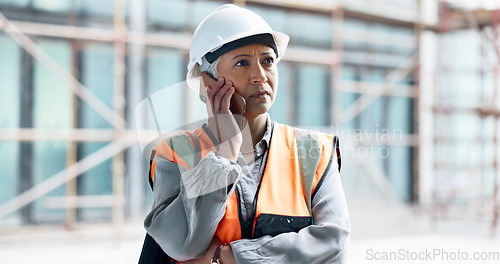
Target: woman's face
(253, 71)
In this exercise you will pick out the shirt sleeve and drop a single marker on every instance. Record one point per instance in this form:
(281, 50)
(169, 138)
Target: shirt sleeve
(188, 204)
(326, 241)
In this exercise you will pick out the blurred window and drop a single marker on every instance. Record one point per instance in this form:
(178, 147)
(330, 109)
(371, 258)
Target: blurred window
(283, 106)
(59, 6)
(16, 3)
(93, 8)
(170, 14)
(52, 109)
(97, 74)
(10, 66)
(313, 95)
(166, 68)
(310, 30)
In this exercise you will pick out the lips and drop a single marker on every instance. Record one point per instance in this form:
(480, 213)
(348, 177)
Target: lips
(260, 94)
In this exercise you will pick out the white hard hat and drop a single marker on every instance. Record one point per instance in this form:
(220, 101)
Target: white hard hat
(227, 24)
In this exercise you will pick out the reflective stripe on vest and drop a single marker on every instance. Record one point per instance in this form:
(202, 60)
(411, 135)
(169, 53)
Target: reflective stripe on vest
(183, 149)
(295, 164)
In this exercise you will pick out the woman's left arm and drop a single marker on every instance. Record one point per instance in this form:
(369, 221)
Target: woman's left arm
(326, 241)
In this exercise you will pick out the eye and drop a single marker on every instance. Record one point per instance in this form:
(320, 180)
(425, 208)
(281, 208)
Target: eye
(269, 60)
(242, 63)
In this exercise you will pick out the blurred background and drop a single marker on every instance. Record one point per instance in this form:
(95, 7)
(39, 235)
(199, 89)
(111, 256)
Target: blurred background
(410, 86)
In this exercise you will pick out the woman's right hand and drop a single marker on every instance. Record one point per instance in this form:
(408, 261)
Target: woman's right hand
(221, 120)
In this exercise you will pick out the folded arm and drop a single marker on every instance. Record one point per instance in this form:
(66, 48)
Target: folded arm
(188, 204)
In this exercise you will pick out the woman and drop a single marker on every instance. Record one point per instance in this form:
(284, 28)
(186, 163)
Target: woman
(242, 188)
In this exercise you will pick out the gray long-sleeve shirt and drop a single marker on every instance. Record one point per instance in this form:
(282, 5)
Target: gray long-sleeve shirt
(188, 205)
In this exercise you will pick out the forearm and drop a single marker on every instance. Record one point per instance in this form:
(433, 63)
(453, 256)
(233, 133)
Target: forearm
(314, 244)
(184, 223)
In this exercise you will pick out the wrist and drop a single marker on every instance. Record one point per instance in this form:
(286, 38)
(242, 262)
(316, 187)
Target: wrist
(216, 259)
(229, 150)
(227, 255)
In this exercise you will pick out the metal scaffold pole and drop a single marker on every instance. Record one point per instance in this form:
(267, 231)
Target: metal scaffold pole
(494, 107)
(336, 67)
(71, 186)
(136, 183)
(444, 169)
(418, 29)
(119, 108)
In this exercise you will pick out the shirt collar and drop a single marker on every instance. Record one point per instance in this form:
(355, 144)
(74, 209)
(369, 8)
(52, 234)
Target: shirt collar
(266, 139)
(263, 144)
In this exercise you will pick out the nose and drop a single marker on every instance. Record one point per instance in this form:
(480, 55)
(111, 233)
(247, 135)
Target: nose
(258, 74)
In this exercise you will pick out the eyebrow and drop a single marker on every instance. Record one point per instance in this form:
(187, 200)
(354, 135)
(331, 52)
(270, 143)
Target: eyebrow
(248, 55)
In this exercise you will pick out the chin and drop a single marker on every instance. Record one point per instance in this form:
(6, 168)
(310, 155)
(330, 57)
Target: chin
(256, 110)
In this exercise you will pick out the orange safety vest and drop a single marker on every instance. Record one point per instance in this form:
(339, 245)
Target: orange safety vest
(293, 170)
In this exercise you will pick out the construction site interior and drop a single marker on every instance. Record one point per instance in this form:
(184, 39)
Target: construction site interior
(411, 87)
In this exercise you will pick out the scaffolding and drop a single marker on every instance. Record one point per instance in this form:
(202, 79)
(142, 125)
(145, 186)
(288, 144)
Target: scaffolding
(123, 135)
(484, 204)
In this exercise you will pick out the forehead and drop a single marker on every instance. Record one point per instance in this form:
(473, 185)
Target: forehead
(252, 50)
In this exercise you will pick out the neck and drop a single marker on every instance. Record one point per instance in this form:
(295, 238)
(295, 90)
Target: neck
(257, 126)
